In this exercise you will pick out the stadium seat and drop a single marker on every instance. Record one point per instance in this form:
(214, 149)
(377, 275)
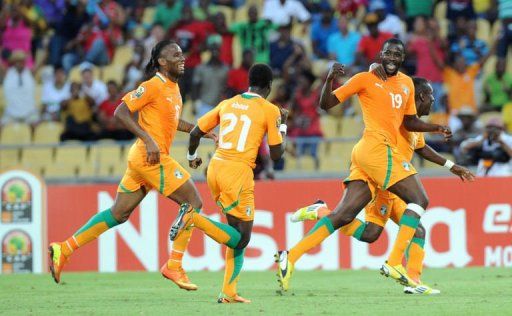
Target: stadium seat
(123, 55)
(37, 159)
(113, 72)
(430, 165)
(483, 30)
(352, 126)
(70, 156)
(48, 133)
(241, 13)
(16, 134)
(2, 100)
(38, 91)
(9, 158)
(237, 52)
(149, 15)
(320, 67)
(104, 157)
(331, 125)
(56, 170)
(440, 11)
(337, 156)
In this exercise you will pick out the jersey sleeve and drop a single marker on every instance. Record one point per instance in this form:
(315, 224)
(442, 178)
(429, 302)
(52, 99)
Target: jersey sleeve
(210, 120)
(351, 87)
(140, 97)
(410, 107)
(421, 141)
(273, 117)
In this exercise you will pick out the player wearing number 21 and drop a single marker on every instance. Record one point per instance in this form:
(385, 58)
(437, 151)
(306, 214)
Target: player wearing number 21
(244, 120)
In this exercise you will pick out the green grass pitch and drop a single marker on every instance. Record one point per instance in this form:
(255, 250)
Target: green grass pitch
(471, 291)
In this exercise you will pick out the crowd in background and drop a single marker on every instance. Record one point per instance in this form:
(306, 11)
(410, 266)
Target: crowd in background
(290, 35)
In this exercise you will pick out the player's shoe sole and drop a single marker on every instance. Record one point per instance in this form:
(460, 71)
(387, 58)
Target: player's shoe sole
(181, 222)
(177, 276)
(56, 260)
(284, 269)
(224, 299)
(307, 212)
(398, 274)
(421, 289)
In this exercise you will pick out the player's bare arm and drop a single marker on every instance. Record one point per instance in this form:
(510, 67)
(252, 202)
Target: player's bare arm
(277, 151)
(412, 123)
(187, 127)
(430, 154)
(327, 99)
(125, 117)
(195, 137)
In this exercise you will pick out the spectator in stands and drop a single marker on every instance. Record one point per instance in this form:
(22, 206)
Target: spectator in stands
(66, 30)
(168, 13)
(457, 30)
(16, 33)
(486, 9)
(136, 29)
(133, 70)
(342, 45)
(415, 8)
(33, 14)
(254, 35)
(428, 47)
(282, 48)
(191, 35)
(226, 47)
(497, 87)
(492, 150)
(458, 8)
(349, 7)
(321, 28)
(53, 10)
(238, 78)
(469, 46)
(209, 82)
(157, 34)
(297, 63)
(306, 117)
(388, 23)
(506, 113)
(110, 127)
(91, 87)
(464, 125)
(205, 10)
(78, 116)
(19, 91)
(283, 12)
(505, 38)
(370, 45)
(54, 93)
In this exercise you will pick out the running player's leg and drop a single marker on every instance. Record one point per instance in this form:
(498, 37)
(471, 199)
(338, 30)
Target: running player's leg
(123, 206)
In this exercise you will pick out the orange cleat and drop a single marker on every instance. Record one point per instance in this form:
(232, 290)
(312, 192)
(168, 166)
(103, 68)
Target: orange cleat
(179, 277)
(224, 299)
(56, 260)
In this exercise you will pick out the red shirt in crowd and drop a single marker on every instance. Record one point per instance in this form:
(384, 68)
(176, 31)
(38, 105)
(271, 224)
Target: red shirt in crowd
(190, 36)
(425, 65)
(371, 46)
(306, 114)
(238, 80)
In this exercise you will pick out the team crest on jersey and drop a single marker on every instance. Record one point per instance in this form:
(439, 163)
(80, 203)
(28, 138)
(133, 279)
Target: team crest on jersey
(406, 166)
(405, 89)
(383, 209)
(138, 93)
(248, 211)
(178, 174)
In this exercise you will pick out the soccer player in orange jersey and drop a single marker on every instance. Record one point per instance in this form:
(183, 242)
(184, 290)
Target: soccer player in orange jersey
(150, 165)
(244, 120)
(376, 161)
(386, 205)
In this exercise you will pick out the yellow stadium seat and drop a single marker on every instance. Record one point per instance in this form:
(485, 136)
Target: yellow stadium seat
(9, 158)
(331, 125)
(275, 84)
(337, 156)
(16, 134)
(320, 67)
(241, 13)
(149, 15)
(113, 72)
(352, 126)
(56, 170)
(37, 96)
(430, 165)
(440, 11)
(483, 32)
(37, 159)
(48, 133)
(72, 154)
(2, 100)
(123, 55)
(179, 153)
(237, 52)
(104, 157)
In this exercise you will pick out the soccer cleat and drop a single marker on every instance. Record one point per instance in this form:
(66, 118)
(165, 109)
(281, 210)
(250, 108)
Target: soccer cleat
(182, 221)
(309, 212)
(225, 299)
(56, 260)
(398, 273)
(284, 269)
(179, 277)
(421, 289)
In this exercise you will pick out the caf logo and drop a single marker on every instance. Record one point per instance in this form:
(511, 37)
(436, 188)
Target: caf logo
(16, 198)
(383, 210)
(16, 252)
(178, 174)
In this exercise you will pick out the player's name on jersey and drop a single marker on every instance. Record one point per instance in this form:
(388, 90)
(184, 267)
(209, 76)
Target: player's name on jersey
(239, 106)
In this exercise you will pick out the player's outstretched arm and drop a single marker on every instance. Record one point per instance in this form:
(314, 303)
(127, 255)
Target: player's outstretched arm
(123, 115)
(195, 137)
(430, 154)
(413, 124)
(327, 99)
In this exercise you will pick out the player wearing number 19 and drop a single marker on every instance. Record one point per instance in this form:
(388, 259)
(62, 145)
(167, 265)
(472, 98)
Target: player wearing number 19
(244, 120)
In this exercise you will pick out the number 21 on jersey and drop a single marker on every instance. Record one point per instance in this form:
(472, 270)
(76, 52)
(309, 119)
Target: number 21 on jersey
(233, 120)
(396, 100)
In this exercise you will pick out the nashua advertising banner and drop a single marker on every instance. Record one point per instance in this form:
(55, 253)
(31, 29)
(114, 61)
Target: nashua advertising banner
(468, 224)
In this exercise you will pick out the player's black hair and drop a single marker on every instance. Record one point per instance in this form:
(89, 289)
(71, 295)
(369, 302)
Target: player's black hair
(420, 84)
(260, 76)
(152, 66)
(394, 41)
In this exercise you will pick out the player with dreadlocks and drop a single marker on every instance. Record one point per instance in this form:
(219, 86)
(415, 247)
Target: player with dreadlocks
(150, 165)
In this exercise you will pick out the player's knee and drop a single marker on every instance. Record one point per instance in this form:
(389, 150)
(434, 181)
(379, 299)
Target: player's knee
(243, 243)
(420, 232)
(369, 237)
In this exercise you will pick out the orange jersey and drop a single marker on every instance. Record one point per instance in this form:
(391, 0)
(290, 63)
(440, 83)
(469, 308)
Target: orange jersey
(159, 104)
(244, 120)
(383, 103)
(408, 142)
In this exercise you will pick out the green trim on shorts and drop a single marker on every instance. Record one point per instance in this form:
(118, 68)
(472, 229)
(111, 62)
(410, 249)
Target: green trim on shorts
(390, 166)
(229, 207)
(162, 179)
(124, 189)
